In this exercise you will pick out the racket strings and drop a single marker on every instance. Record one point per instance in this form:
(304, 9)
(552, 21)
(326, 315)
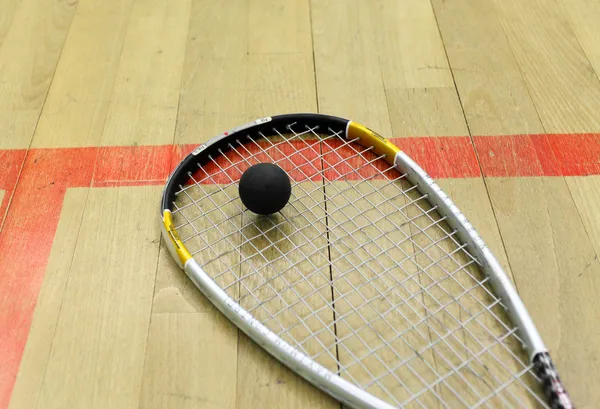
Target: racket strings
(315, 251)
(358, 359)
(306, 193)
(436, 262)
(358, 272)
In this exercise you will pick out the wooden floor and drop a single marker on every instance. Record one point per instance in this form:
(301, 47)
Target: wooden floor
(94, 94)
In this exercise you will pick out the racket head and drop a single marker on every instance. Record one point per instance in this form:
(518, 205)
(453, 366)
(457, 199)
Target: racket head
(370, 283)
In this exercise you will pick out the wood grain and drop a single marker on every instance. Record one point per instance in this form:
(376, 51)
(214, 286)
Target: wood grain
(28, 57)
(149, 72)
(348, 72)
(586, 195)
(99, 344)
(26, 392)
(144, 101)
(212, 96)
(75, 110)
(517, 75)
(492, 91)
(426, 111)
(266, 383)
(279, 27)
(408, 44)
(9, 8)
(279, 84)
(583, 16)
(548, 52)
(556, 272)
(190, 375)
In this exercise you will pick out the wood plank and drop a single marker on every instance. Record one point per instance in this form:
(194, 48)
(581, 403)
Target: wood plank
(135, 117)
(584, 16)
(144, 101)
(212, 100)
(174, 292)
(214, 359)
(375, 58)
(426, 112)
(98, 349)
(586, 195)
(75, 110)
(279, 84)
(556, 271)
(283, 83)
(404, 62)
(536, 216)
(190, 362)
(348, 71)
(27, 71)
(417, 111)
(560, 79)
(419, 87)
(29, 381)
(224, 86)
(492, 92)
(279, 27)
(27, 235)
(8, 8)
(3, 206)
(214, 75)
(374, 63)
(265, 383)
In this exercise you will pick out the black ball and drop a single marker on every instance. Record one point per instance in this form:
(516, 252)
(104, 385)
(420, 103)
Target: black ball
(265, 188)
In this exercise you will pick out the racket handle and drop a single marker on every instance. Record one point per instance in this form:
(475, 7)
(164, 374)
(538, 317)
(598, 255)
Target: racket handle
(553, 387)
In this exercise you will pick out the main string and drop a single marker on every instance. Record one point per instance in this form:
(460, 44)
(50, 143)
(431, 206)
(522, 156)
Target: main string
(358, 272)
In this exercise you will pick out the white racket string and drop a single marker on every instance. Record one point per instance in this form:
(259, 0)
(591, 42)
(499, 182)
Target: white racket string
(358, 272)
(448, 275)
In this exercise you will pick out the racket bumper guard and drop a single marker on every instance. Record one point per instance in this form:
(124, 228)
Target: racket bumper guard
(176, 247)
(368, 138)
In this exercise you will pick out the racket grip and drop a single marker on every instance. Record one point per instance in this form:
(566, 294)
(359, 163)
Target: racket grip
(553, 387)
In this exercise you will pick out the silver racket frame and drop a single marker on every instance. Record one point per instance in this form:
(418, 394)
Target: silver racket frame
(329, 382)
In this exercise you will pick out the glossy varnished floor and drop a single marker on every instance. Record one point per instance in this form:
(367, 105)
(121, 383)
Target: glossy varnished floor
(94, 93)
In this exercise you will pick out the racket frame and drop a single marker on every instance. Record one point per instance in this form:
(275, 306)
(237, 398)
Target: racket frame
(331, 383)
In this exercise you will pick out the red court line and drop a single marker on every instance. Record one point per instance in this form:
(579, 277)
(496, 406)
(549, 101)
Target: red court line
(10, 163)
(577, 155)
(450, 157)
(132, 166)
(25, 244)
(517, 155)
(28, 233)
